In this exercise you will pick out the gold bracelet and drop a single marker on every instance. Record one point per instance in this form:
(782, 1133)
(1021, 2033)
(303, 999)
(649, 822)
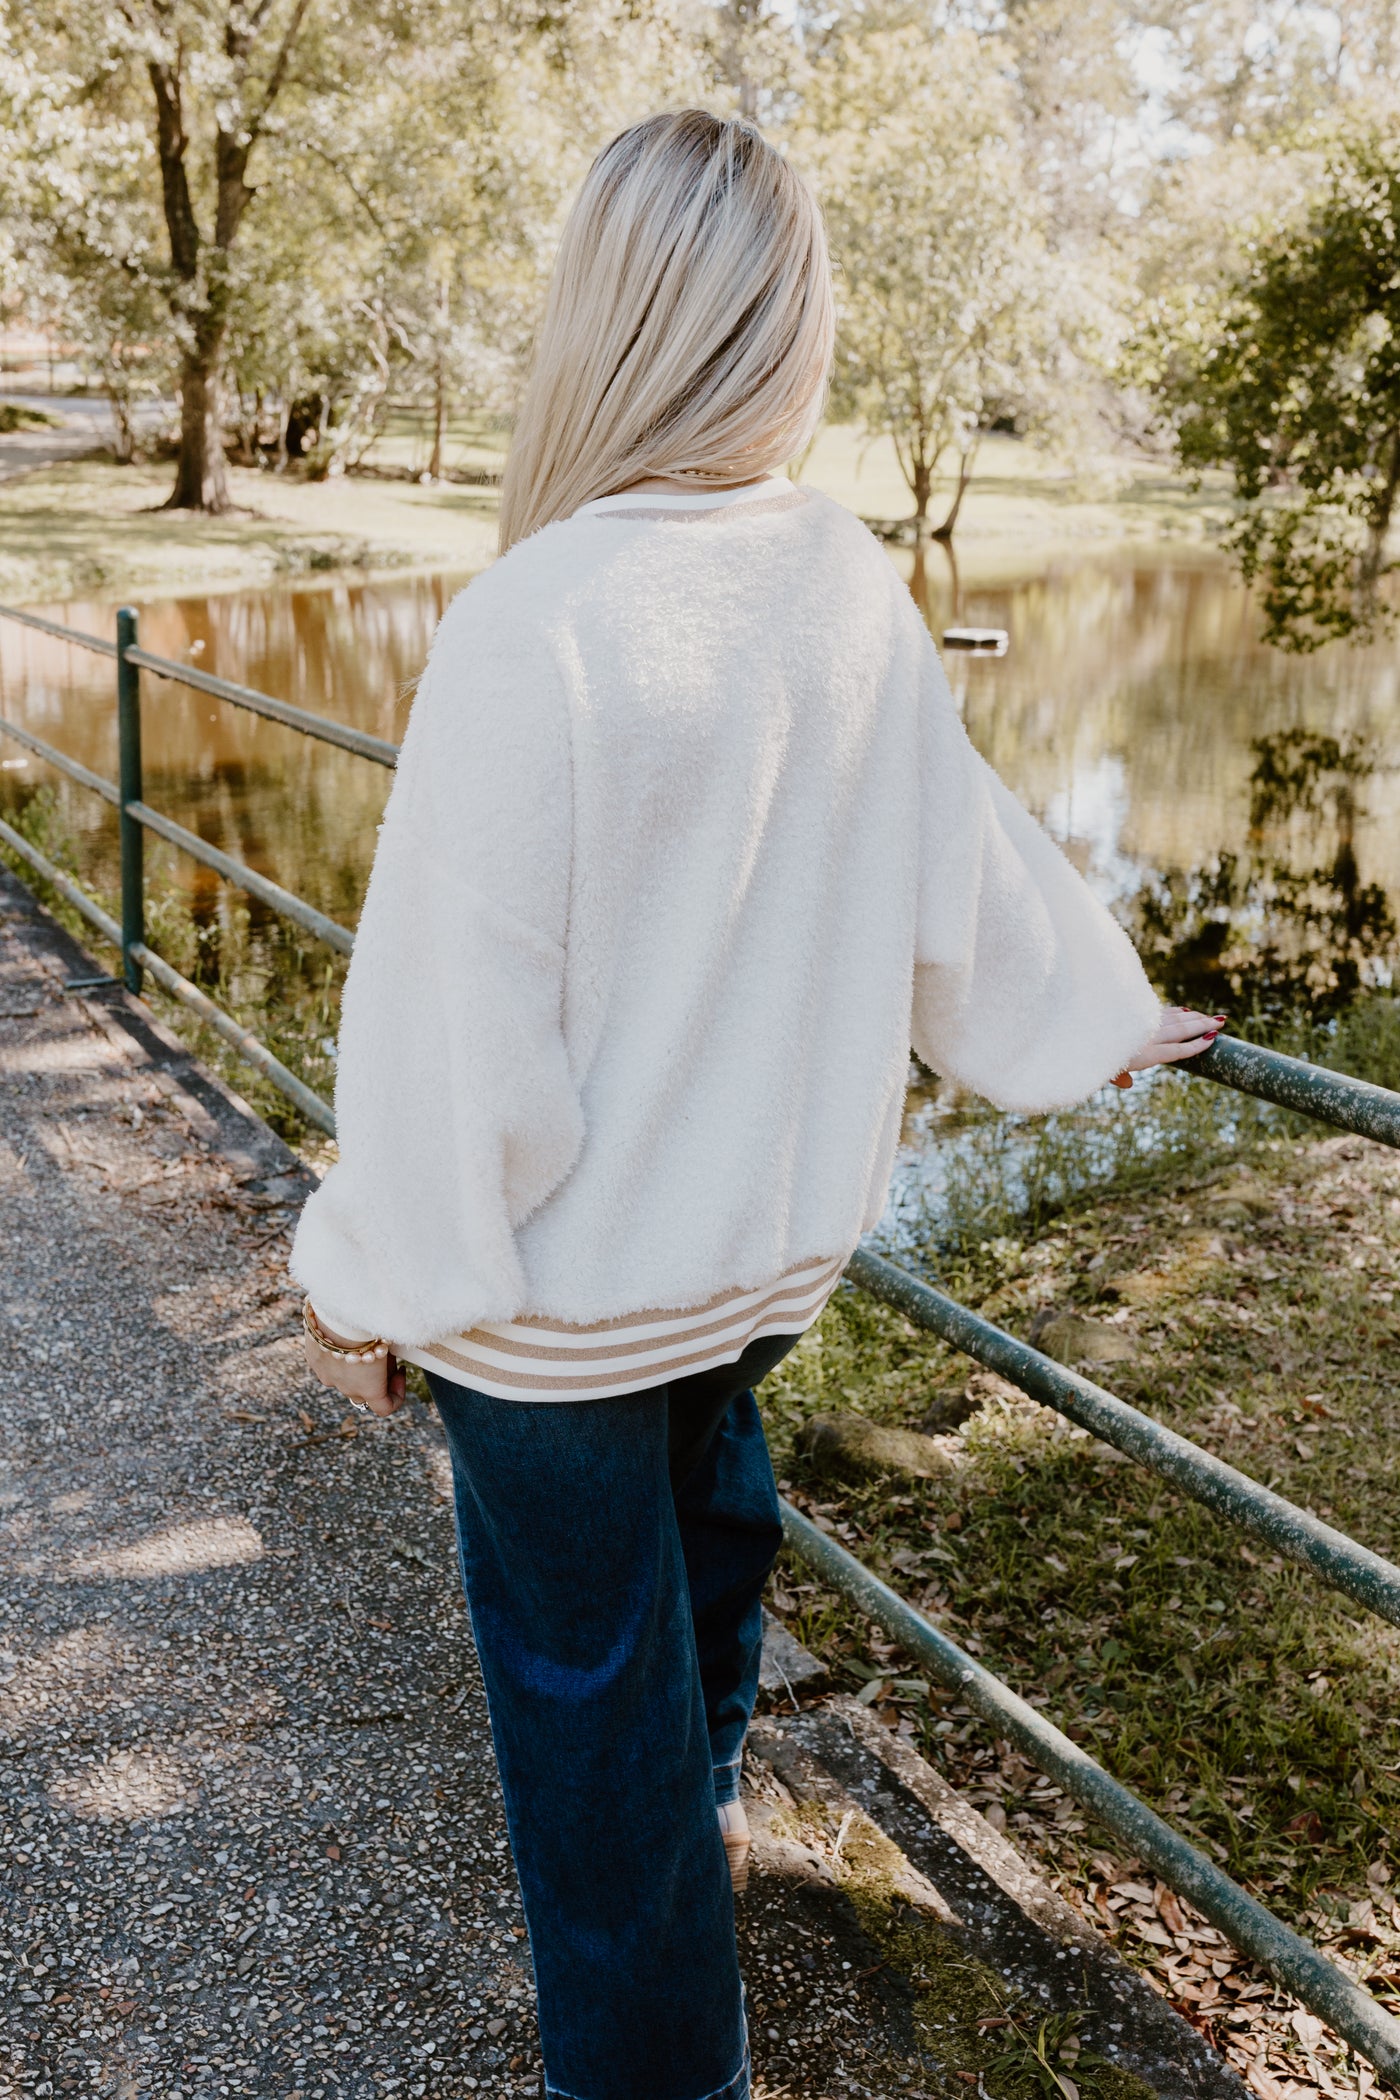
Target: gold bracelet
(360, 1353)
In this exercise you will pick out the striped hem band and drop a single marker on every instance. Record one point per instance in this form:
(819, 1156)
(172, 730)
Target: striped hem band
(541, 1359)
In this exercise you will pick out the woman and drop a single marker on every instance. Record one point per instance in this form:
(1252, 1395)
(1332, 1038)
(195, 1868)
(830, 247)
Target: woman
(685, 846)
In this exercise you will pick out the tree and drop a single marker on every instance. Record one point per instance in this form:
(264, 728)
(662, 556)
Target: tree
(949, 315)
(114, 318)
(1261, 70)
(153, 111)
(1077, 102)
(1290, 378)
(409, 198)
(80, 234)
(215, 76)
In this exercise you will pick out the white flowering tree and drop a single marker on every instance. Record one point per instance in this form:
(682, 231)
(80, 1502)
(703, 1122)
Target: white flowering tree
(951, 314)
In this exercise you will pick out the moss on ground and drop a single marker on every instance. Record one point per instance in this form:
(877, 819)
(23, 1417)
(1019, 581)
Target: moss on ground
(965, 2019)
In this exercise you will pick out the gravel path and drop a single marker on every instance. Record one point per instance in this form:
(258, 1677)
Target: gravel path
(250, 1835)
(247, 1796)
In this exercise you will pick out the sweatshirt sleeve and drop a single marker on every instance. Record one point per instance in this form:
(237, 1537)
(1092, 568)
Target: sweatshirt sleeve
(1026, 989)
(455, 1108)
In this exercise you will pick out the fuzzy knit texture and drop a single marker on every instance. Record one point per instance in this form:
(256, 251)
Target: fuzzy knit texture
(686, 846)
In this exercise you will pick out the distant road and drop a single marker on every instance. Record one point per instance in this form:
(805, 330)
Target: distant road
(84, 425)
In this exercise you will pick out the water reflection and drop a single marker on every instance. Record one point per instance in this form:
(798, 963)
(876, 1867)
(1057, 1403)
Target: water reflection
(1130, 713)
(299, 811)
(1129, 706)
(1285, 926)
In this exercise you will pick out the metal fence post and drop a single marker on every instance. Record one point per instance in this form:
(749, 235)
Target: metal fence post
(133, 837)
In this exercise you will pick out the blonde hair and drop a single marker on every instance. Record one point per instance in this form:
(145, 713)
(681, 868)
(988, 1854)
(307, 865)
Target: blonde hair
(688, 328)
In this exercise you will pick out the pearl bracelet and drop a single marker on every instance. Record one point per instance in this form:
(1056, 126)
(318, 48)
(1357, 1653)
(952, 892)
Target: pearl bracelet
(360, 1353)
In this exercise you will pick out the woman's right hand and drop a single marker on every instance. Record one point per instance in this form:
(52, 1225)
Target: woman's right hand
(1181, 1032)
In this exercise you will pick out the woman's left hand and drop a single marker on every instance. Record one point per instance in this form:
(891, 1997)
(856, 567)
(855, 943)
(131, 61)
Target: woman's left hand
(1181, 1032)
(379, 1385)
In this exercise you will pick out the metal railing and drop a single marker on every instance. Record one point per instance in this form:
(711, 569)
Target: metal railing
(1329, 1097)
(136, 818)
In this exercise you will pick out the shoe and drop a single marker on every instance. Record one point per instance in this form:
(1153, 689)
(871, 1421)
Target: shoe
(734, 1829)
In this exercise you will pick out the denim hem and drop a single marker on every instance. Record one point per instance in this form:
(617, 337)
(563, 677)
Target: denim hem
(737, 2088)
(727, 1785)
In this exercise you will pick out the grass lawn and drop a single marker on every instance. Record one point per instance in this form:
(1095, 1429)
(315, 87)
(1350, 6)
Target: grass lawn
(1248, 1703)
(1024, 504)
(471, 444)
(87, 526)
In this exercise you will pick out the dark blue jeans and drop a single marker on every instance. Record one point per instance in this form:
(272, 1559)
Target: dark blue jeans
(614, 1554)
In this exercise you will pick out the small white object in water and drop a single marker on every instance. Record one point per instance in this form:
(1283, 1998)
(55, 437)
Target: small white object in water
(989, 641)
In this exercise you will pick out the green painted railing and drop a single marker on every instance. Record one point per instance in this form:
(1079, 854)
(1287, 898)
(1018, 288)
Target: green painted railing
(1298, 1965)
(1363, 1575)
(1309, 1090)
(1330, 1097)
(136, 818)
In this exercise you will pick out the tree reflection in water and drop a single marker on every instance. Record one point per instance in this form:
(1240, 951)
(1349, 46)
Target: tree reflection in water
(1286, 927)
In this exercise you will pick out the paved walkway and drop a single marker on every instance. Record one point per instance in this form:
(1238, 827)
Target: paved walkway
(82, 425)
(250, 1836)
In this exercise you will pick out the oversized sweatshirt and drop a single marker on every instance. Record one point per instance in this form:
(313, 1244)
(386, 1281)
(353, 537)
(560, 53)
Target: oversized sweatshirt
(686, 847)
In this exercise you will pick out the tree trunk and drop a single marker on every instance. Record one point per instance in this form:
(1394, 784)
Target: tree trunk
(201, 478)
(944, 531)
(440, 383)
(955, 606)
(918, 577)
(439, 418)
(1378, 528)
(124, 435)
(921, 483)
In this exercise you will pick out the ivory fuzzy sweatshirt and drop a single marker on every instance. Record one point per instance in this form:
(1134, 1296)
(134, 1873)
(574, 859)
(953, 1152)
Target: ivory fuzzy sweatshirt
(686, 846)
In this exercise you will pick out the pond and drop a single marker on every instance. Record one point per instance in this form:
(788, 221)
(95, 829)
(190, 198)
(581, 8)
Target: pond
(1126, 713)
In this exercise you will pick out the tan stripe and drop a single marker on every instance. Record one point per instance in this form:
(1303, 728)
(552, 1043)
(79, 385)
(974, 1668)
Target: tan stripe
(649, 1314)
(648, 1375)
(715, 510)
(540, 1352)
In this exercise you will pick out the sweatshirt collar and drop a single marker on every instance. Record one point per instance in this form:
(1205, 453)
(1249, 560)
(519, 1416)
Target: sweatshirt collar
(678, 499)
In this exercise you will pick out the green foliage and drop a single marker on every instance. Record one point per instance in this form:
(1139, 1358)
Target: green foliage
(352, 197)
(266, 973)
(950, 312)
(1283, 936)
(1290, 378)
(1045, 2051)
(1006, 1179)
(14, 416)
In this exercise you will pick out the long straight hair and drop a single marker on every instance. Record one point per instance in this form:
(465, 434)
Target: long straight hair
(689, 324)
